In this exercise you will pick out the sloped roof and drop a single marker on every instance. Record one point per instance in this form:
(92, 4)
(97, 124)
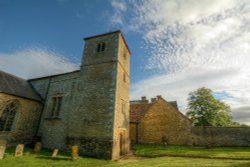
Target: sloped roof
(14, 85)
(137, 111)
(174, 104)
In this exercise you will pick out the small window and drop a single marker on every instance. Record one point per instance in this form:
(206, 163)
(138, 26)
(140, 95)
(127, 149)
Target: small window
(123, 107)
(124, 54)
(56, 106)
(8, 116)
(101, 47)
(124, 77)
(98, 47)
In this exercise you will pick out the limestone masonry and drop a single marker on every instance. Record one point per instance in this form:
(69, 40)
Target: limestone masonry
(158, 121)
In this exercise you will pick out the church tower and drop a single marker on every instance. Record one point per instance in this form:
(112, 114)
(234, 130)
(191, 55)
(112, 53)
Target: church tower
(99, 122)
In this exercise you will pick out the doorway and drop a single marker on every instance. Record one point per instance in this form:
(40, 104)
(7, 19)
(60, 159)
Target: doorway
(121, 144)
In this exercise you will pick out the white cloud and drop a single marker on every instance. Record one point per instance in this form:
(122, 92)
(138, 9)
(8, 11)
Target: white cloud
(177, 86)
(240, 114)
(193, 44)
(32, 63)
(120, 7)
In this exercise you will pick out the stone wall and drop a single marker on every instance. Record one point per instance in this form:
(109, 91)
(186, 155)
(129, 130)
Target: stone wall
(92, 146)
(163, 123)
(91, 114)
(26, 121)
(133, 132)
(121, 140)
(54, 130)
(221, 136)
(92, 118)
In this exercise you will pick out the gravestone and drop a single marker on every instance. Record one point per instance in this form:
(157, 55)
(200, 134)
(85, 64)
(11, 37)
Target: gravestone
(38, 147)
(19, 150)
(2, 148)
(74, 153)
(55, 152)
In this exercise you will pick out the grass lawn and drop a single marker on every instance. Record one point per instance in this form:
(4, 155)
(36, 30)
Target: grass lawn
(156, 150)
(63, 160)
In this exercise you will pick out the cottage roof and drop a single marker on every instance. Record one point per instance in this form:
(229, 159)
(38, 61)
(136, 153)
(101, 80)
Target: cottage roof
(139, 108)
(174, 104)
(14, 85)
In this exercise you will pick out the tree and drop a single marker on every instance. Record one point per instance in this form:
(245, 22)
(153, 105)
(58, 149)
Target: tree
(205, 110)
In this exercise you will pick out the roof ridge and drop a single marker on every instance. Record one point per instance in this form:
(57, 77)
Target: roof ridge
(178, 111)
(48, 76)
(1, 71)
(17, 86)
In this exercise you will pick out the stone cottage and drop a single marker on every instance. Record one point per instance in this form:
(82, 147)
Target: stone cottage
(88, 107)
(158, 121)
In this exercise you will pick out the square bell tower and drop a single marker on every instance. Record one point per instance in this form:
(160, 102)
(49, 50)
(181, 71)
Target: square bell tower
(99, 124)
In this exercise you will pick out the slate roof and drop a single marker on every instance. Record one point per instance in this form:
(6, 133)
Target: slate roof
(16, 86)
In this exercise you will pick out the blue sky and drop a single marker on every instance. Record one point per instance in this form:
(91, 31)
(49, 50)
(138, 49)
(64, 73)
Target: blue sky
(177, 45)
(59, 26)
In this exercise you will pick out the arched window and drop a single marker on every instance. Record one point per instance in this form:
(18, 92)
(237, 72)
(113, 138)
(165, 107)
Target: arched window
(8, 114)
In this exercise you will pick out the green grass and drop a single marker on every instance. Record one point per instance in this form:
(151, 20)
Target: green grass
(44, 159)
(156, 150)
(63, 160)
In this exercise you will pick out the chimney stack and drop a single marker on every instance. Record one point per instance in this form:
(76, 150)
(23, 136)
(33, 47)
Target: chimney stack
(144, 99)
(158, 97)
(153, 100)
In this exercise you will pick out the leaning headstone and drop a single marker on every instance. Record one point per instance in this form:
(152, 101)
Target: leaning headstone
(74, 153)
(19, 150)
(38, 147)
(55, 152)
(2, 148)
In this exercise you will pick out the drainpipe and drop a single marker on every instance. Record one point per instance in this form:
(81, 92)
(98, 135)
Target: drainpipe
(43, 107)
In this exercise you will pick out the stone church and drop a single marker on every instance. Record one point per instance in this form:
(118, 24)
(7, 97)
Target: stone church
(88, 107)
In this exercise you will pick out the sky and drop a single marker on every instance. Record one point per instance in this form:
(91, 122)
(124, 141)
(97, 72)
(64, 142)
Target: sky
(177, 46)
